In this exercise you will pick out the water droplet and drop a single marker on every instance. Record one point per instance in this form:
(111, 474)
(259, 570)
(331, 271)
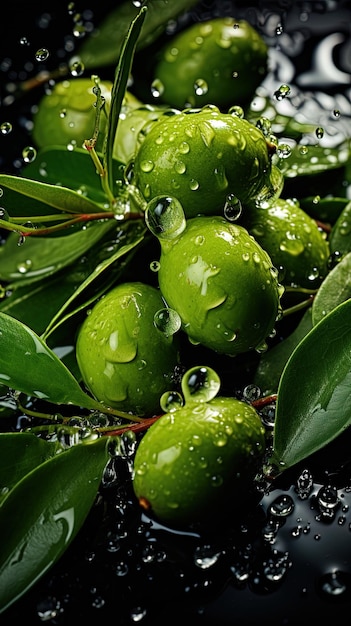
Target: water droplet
(237, 111)
(319, 132)
(165, 218)
(200, 384)
(167, 321)
(24, 267)
(42, 54)
(76, 68)
(6, 128)
(171, 401)
(265, 126)
(157, 88)
(155, 266)
(232, 208)
(335, 585)
(29, 154)
(200, 87)
(282, 92)
(282, 506)
(283, 150)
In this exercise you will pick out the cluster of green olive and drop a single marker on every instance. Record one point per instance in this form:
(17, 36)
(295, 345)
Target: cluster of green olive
(229, 244)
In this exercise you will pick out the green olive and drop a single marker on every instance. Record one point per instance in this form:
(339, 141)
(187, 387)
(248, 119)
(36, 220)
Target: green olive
(198, 457)
(67, 114)
(297, 247)
(207, 160)
(220, 61)
(125, 360)
(221, 283)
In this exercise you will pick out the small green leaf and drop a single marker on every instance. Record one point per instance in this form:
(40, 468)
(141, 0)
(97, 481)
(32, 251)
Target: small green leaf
(272, 362)
(104, 48)
(314, 159)
(335, 288)
(54, 196)
(43, 513)
(340, 236)
(40, 257)
(122, 75)
(28, 365)
(20, 453)
(314, 395)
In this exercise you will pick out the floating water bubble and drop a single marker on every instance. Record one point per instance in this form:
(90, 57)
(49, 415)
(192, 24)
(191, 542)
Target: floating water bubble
(237, 111)
(5, 128)
(319, 132)
(157, 88)
(200, 87)
(42, 54)
(200, 384)
(76, 68)
(282, 92)
(29, 154)
(171, 401)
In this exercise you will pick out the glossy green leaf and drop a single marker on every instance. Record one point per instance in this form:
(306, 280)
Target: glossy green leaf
(113, 266)
(323, 209)
(40, 257)
(314, 394)
(272, 362)
(104, 48)
(122, 76)
(335, 288)
(43, 513)
(313, 159)
(74, 170)
(55, 196)
(28, 365)
(340, 236)
(20, 453)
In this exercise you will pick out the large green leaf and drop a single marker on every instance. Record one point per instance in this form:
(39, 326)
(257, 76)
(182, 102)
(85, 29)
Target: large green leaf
(314, 395)
(55, 196)
(43, 513)
(28, 365)
(340, 236)
(40, 257)
(122, 76)
(104, 47)
(20, 453)
(272, 362)
(335, 288)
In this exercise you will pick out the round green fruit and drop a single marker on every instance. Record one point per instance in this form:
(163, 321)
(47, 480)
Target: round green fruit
(220, 61)
(222, 284)
(198, 457)
(297, 247)
(125, 360)
(208, 160)
(67, 114)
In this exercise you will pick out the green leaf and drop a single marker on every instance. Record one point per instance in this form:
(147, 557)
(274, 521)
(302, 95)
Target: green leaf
(20, 453)
(314, 159)
(122, 75)
(54, 196)
(314, 395)
(74, 170)
(340, 236)
(104, 47)
(43, 513)
(98, 276)
(40, 257)
(28, 365)
(335, 288)
(272, 362)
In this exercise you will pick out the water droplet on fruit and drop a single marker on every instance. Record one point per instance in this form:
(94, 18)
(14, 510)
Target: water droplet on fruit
(232, 208)
(200, 384)
(167, 321)
(171, 401)
(237, 111)
(165, 217)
